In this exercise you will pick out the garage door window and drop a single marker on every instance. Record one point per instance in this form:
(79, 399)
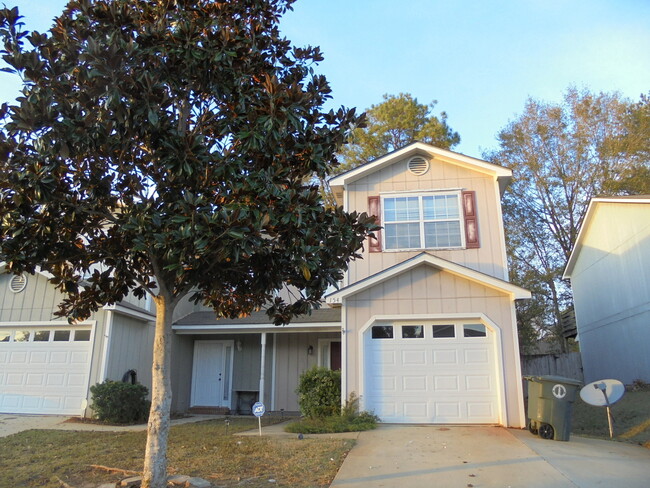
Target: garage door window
(42, 336)
(412, 332)
(443, 331)
(21, 336)
(382, 331)
(61, 335)
(474, 330)
(82, 335)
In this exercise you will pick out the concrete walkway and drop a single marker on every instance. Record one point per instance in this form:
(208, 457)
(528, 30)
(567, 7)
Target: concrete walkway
(482, 456)
(14, 423)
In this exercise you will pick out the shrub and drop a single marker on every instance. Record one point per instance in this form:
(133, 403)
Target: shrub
(319, 392)
(349, 420)
(120, 403)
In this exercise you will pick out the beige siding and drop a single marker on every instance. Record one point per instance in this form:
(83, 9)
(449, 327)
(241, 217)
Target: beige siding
(427, 292)
(489, 258)
(131, 347)
(292, 360)
(181, 374)
(37, 302)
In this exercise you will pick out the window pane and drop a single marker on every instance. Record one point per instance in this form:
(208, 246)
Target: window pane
(400, 209)
(442, 331)
(382, 331)
(412, 332)
(402, 236)
(474, 330)
(21, 336)
(61, 335)
(41, 336)
(81, 335)
(440, 207)
(442, 234)
(4, 336)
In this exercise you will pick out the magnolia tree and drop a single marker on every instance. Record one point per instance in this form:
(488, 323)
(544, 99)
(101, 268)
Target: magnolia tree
(164, 147)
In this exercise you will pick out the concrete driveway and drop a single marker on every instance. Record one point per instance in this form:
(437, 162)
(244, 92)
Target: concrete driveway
(14, 423)
(482, 456)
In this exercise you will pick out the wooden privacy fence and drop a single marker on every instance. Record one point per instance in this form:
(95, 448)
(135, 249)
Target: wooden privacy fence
(568, 365)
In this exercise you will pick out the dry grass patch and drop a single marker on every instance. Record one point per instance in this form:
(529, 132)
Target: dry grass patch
(631, 419)
(205, 449)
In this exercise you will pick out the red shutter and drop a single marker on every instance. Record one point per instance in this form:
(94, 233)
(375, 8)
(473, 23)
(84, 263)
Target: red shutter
(471, 220)
(374, 209)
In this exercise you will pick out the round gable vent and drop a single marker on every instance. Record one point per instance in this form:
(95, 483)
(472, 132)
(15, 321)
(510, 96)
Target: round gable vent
(418, 165)
(18, 283)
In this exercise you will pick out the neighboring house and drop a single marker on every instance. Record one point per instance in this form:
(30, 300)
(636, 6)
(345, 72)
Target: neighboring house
(423, 327)
(48, 365)
(609, 270)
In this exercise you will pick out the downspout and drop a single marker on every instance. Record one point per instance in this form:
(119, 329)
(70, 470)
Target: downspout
(262, 366)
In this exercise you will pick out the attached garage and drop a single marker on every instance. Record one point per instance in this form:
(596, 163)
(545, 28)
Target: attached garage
(44, 369)
(432, 372)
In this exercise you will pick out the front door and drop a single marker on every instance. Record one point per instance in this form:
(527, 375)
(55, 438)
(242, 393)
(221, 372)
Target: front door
(212, 374)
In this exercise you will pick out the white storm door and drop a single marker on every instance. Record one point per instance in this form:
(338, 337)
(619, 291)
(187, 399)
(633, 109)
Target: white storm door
(212, 374)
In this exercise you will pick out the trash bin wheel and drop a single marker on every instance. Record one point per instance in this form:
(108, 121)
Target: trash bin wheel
(546, 431)
(532, 428)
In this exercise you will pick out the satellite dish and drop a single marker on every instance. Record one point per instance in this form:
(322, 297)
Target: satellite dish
(602, 393)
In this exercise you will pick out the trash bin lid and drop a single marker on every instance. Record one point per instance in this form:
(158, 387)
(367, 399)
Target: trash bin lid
(553, 379)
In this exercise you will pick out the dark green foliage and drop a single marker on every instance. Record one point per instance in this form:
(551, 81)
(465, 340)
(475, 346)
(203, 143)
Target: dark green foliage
(116, 402)
(167, 148)
(394, 123)
(319, 392)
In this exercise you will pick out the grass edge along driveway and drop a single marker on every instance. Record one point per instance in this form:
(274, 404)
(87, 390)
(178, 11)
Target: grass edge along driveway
(39, 458)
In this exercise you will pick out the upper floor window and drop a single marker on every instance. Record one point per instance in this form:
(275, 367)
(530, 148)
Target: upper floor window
(422, 221)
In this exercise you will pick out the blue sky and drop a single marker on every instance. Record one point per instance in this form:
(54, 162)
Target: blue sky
(481, 59)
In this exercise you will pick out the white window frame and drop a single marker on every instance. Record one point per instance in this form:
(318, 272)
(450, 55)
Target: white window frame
(421, 221)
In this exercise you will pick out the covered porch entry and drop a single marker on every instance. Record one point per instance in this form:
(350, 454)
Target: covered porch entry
(238, 362)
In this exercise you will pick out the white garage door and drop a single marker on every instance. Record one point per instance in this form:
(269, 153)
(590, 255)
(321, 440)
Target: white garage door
(44, 370)
(431, 373)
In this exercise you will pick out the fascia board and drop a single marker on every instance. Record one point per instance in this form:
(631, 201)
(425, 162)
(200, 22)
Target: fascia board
(503, 286)
(256, 328)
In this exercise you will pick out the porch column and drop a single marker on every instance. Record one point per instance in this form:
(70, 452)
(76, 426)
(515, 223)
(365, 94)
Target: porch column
(262, 366)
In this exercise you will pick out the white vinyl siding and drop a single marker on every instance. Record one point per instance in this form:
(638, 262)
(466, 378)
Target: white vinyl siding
(422, 221)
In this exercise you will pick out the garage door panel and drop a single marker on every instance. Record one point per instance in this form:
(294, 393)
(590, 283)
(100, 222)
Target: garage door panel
(38, 357)
(414, 384)
(445, 357)
(477, 356)
(445, 383)
(35, 379)
(19, 357)
(480, 383)
(417, 357)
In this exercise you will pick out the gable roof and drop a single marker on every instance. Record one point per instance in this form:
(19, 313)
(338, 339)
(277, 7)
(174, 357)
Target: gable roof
(591, 210)
(427, 259)
(503, 175)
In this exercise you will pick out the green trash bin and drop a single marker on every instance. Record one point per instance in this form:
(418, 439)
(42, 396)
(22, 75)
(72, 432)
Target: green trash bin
(550, 405)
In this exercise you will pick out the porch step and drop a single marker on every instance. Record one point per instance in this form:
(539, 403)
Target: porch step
(210, 410)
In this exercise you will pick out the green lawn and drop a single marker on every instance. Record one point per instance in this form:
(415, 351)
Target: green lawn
(37, 458)
(631, 418)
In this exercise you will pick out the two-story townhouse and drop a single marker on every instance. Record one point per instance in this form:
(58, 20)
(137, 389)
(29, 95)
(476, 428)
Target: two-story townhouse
(423, 328)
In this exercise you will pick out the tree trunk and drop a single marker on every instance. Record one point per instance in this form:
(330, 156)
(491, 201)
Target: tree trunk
(155, 460)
